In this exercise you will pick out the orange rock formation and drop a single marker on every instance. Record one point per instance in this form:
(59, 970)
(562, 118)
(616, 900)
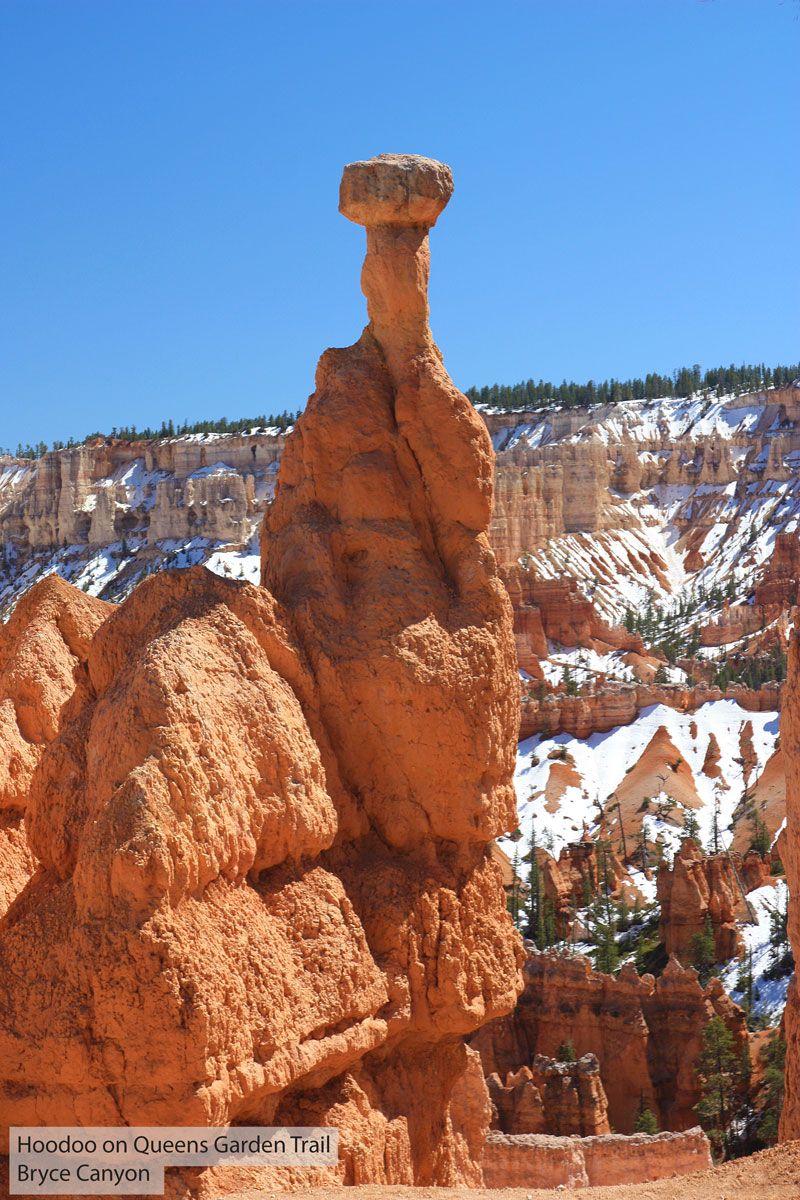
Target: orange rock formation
(606, 707)
(696, 886)
(567, 1163)
(645, 1033)
(43, 649)
(560, 1098)
(577, 875)
(261, 817)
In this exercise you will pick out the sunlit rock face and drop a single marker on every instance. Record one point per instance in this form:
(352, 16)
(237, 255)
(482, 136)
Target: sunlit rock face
(258, 821)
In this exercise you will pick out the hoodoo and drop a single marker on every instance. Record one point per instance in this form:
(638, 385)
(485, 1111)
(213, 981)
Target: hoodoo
(377, 545)
(262, 891)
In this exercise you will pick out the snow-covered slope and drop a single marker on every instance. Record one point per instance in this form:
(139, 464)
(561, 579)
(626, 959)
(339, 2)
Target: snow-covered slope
(599, 764)
(566, 785)
(105, 515)
(656, 501)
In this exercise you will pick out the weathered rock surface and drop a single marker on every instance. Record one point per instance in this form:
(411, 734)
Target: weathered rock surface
(260, 820)
(588, 475)
(43, 649)
(561, 1162)
(560, 1098)
(556, 609)
(645, 1033)
(384, 565)
(697, 886)
(213, 486)
(575, 878)
(603, 708)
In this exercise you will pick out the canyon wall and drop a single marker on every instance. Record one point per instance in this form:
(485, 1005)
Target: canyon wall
(260, 816)
(646, 1033)
(574, 472)
(593, 480)
(605, 707)
(208, 485)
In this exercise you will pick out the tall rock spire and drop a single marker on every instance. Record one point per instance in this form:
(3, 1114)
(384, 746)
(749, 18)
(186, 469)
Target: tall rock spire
(377, 544)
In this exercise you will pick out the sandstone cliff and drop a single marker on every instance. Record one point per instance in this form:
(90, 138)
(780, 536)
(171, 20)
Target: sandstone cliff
(645, 1033)
(697, 886)
(260, 820)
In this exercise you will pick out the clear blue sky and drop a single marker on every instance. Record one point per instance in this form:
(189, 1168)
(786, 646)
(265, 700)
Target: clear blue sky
(626, 193)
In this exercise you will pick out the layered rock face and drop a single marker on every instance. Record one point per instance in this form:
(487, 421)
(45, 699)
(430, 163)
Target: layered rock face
(263, 891)
(697, 886)
(603, 708)
(583, 481)
(556, 609)
(645, 1033)
(214, 486)
(559, 1098)
(567, 1163)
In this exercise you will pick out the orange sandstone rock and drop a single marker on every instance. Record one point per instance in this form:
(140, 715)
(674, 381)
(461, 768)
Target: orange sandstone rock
(376, 544)
(606, 707)
(694, 886)
(567, 1163)
(43, 649)
(646, 1033)
(559, 1098)
(261, 817)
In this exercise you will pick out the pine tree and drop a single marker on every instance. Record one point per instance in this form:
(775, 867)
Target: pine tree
(744, 983)
(760, 840)
(535, 925)
(513, 903)
(781, 957)
(703, 952)
(566, 1051)
(606, 953)
(691, 827)
(720, 1074)
(715, 826)
(645, 1119)
(773, 1056)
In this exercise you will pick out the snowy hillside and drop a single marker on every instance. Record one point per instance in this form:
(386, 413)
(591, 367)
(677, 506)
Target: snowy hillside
(672, 503)
(105, 516)
(561, 804)
(565, 785)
